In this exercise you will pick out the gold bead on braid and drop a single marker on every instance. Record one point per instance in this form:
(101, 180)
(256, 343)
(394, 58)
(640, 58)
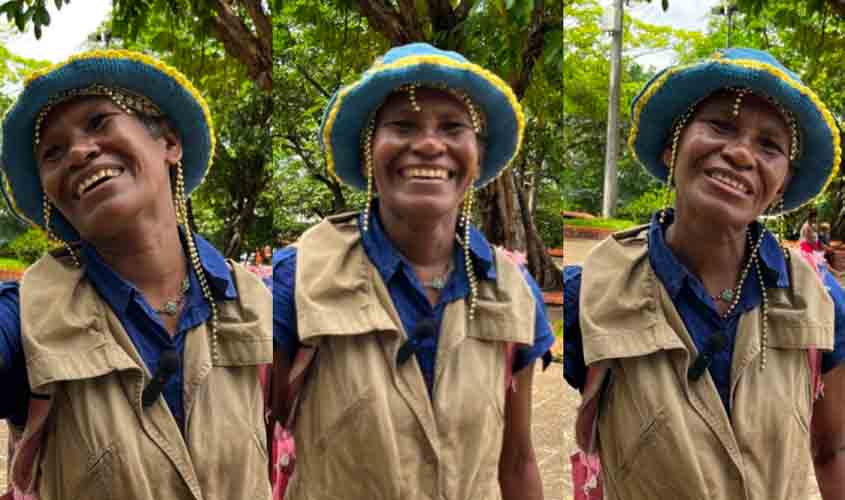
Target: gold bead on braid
(764, 331)
(781, 223)
(48, 212)
(182, 213)
(368, 166)
(476, 117)
(473, 281)
(754, 259)
(676, 136)
(740, 95)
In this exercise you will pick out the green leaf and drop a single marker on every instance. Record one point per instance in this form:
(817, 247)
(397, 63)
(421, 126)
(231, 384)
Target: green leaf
(42, 16)
(37, 29)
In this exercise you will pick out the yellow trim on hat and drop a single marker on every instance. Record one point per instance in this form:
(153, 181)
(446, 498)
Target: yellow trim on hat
(170, 71)
(757, 66)
(437, 60)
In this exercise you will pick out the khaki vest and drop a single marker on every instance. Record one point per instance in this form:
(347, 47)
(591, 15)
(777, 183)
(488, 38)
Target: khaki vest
(662, 436)
(366, 428)
(101, 444)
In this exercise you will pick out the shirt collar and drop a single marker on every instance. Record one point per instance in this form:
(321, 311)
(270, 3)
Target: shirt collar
(107, 281)
(673, 273)
(387, 258)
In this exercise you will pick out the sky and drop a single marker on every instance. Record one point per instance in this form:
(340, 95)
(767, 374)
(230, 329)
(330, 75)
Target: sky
(683, 14)
(68, 30)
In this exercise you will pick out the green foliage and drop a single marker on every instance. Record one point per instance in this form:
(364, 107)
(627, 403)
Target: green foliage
(642, 208)
(614, 224)
(29, 246)
(585, 97)
(7, 264)
(557, 328)
(25, 12)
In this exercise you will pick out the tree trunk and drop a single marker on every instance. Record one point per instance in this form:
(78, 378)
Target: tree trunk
(245, 187)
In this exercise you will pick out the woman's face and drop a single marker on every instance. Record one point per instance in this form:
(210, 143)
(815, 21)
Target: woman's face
(424, 161)
(101, 167)
(729, 169)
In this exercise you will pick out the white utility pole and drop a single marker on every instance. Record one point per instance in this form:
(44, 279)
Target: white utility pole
(612, 151)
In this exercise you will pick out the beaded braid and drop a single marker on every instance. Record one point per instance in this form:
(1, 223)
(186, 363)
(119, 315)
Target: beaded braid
(670, 180)
(473, 280)
(368, 165)
(182, 218)
(48, 209)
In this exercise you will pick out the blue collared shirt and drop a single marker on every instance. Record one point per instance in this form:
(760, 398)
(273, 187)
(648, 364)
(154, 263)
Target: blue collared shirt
(141, 322)
(697, 309)
(408, 295)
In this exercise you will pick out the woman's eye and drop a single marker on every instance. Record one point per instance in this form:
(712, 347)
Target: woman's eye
(771, 146)
(402, 125)
(52, 153)
(97, 121)
(454, 127)
(721, 126)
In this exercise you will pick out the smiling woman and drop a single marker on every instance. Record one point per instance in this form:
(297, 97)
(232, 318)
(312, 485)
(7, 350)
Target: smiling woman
(700, 327)
(419, 322)
(111, 349)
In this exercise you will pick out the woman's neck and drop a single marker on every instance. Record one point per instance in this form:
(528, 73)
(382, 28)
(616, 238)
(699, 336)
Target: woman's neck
(426, 243)
(152, 257)
(712, 252)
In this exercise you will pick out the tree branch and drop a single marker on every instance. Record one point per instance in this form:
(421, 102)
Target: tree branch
(312, 81)
(384, 19)
(262, 23)
(535, 42)
(243, 45)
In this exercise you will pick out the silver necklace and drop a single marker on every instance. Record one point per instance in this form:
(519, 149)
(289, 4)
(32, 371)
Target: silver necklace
(171, 307)
(439, 282)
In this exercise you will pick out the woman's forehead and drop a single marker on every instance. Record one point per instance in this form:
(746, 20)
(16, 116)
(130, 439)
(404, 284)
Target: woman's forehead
(74, 105)
(399, 100)
(727, 100)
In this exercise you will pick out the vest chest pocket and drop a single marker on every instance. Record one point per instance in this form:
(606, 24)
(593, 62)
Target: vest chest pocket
(642, 427)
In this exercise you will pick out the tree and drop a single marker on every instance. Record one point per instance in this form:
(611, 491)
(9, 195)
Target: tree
(242, 26)
(586, 73)
(520, 40)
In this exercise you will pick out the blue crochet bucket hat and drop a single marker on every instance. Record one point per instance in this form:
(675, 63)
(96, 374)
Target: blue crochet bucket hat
(133, 73)
(674, 90)
(351, 108)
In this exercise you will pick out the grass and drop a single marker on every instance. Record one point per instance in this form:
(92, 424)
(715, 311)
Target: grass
(12, 264)
(614, 224)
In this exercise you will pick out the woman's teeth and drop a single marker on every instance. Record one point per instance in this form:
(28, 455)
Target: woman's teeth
(427, 173)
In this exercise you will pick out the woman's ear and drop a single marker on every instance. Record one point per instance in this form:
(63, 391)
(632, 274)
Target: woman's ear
(172, 144)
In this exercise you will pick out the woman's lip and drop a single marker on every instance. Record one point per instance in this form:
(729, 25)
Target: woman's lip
(728, 188)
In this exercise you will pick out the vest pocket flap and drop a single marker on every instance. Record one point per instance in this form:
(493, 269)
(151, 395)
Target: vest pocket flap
(799, 326)
(343, 321)
(240, 347)
(498, 322)
(101, 359)
(800, 336)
